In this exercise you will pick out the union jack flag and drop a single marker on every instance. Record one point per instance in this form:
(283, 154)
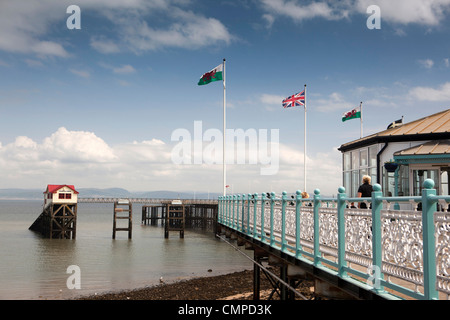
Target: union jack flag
(295, 100)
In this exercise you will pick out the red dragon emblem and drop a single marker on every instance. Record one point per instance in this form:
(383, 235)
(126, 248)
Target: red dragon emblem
(209, 75)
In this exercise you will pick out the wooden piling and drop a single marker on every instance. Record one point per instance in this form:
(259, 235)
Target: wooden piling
(175, 218)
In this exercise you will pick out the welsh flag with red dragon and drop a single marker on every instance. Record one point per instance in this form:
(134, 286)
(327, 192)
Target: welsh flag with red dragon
(215, 74)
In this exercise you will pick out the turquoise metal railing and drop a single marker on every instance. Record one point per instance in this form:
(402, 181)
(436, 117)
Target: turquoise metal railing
(395, 253)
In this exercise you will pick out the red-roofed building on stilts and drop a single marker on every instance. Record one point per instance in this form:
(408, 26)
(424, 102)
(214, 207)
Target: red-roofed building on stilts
(58, 219)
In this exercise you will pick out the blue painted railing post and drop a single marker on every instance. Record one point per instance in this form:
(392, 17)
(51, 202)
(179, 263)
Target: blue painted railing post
(341, 231)
(272, 208)
(377, 205)
(249, 196)
(263, 202)
(238, 198)
(298, 204)
(255, 208)
(233, 221)
(228, 211)
(230, 208)
(317, 254)
(429, 242)
(283, 220)
(224, 215)
(242, 213)
(219, 215)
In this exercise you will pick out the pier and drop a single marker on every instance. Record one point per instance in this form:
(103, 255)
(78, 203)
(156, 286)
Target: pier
(59, 215)
(379, 253)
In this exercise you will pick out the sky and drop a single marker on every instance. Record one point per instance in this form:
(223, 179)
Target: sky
(99, 106)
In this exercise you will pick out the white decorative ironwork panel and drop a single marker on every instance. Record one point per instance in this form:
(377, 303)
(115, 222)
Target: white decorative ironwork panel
(290, 220)
(402, 243)
(358, 232)
(307, 224)
(328, 233)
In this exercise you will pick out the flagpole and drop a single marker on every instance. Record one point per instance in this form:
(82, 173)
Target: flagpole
(224, 131)
(361, 119)
(304, 152)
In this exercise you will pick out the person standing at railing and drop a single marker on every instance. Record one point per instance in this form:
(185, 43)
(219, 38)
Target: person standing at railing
(365, 190)
(305, 195)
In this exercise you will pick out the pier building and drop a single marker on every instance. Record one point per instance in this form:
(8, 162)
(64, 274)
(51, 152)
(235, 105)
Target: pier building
(60, 194)
(401, 157)
(58, 219)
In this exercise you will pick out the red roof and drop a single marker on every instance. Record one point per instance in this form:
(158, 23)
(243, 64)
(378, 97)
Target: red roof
(52, 188)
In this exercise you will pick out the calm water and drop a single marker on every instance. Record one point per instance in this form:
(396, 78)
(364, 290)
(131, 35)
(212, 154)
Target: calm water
(35, 268)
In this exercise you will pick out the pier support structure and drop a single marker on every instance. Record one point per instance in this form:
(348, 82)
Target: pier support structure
(57, 221)
(196, 215)
(153, 215)
(123, 207)
(175, 219)
(290, 275)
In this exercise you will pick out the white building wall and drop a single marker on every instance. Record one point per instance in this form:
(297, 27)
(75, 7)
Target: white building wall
(393, 147)
(55, 197)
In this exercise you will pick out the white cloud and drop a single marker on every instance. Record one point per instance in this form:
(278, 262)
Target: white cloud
(21, 27)
(426, 63)
(430, 12)
(269, 19)
(33, 63)
(299, 11)
(271, 99)
(124, 69)
(104, 46)
(335, 101)
(189, 31)
(401, 12)
(85, 160)
(25, 28)
(136, 30)
(431, 94)
(81, 73)
(75, 146)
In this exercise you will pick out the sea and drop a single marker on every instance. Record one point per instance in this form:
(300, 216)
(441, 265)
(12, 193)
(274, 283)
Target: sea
(35, 268)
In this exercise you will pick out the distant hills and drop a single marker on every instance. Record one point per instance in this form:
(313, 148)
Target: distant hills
(37, 194)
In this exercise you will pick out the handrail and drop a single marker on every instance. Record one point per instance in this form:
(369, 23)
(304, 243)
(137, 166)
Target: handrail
(385, 247)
